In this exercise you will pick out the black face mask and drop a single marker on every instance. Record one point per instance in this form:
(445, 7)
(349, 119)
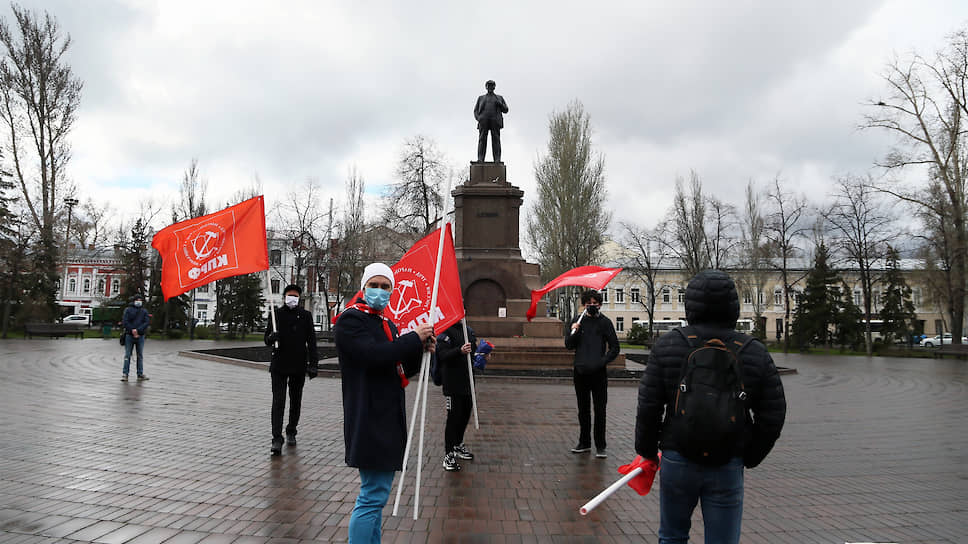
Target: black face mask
(592, 310)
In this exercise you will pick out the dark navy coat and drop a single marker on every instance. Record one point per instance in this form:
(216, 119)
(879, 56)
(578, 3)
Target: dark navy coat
(374, 403)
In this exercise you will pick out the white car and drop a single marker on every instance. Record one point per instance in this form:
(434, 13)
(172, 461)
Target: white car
(934, 341)
(80, 319)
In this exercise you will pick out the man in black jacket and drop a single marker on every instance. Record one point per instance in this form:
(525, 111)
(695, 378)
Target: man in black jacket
(135, 323)
(294, 356)
(452, 352)
(712, 308)
(593, 338)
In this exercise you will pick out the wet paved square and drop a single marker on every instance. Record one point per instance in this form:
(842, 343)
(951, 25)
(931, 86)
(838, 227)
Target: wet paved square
(873, 450)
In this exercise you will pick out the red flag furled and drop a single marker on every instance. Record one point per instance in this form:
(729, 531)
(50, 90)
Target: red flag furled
(593, 277)
(413, 282)
(227, 243)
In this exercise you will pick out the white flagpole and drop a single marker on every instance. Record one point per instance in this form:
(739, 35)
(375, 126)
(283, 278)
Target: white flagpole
(592, 504)
(424, 366)
(272, 314)
(470, 373)
(422, 388)
(573, 331)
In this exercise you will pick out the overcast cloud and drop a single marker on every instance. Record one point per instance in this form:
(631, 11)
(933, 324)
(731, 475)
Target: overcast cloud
(292, 90)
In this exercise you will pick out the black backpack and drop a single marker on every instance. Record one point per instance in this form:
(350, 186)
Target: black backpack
(709, 412)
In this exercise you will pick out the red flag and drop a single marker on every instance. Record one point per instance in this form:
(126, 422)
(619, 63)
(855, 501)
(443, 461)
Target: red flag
(593, 277)
(413, 282)
(223, 244)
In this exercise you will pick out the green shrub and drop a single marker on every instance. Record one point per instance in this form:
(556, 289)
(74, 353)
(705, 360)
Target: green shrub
(637, 334)
(175, 334)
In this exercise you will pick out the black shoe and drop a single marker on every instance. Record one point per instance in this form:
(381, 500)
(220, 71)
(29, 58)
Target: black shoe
(462, 452)
(276, 447)
(450, 462)
(581, 449)
(601, 453)
(291, 439)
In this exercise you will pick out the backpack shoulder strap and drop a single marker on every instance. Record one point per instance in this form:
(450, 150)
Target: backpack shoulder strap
(690, 335)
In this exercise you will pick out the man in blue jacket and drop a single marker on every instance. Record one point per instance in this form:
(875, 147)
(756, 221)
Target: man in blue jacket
(595, 344)
(135, 323)
(375, 361)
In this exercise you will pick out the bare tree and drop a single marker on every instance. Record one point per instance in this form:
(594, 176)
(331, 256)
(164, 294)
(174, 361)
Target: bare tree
(862, 229)
(784, 228)
(753, 255)
(567, 225)
(644, 262)
(414, 203)
(93, 223)
(720, 226)
(39, 96)
(926, 109)
(191, 194)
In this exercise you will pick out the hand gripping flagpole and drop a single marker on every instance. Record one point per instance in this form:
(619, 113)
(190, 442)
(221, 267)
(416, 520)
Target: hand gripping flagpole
(422, 386)
(470, 373)
(573, 331)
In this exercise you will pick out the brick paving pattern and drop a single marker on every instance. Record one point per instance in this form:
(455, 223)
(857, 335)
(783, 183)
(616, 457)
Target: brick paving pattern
(873, 450)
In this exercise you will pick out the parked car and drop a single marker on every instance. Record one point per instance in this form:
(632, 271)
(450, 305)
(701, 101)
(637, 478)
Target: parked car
(78, 318)
(938, 340)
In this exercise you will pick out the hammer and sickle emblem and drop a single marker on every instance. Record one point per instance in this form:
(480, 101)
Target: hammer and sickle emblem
(206, 239)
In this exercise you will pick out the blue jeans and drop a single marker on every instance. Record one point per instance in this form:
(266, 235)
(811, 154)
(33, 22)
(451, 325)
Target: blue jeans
(130, 342)
(367, 513)
(683, 483)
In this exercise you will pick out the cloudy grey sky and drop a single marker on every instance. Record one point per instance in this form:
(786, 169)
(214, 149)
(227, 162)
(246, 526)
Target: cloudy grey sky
(291, 90)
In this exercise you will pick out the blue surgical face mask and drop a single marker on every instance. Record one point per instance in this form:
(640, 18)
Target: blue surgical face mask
(137, 303)
(376, 298)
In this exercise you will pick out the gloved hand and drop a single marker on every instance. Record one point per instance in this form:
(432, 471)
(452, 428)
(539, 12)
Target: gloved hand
(312, 370)
(272, 338)
(642, 483)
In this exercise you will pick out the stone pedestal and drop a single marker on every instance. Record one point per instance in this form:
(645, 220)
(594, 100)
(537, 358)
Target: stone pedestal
(495, 279)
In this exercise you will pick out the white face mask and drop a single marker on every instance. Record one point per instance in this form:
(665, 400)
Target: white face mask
(291, 301)
(137, 303)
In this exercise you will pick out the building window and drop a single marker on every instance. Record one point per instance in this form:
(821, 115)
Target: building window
(115, 286)
(605, 295)
(916, 295)
(682, 295)
(747, 297)
(759, 297)
(857, 297)
(275, 256)
(72, 285)
(665, 295)
(619, 324)
(619, 296)
(100, 286)
(778, 297)
(203, 288)
(87, 286)
(275, 287)
(634, 293)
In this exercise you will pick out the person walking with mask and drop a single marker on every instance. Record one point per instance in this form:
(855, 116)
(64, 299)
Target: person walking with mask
(593, 338)
(294, 356)
(375, 362)
(135, 321)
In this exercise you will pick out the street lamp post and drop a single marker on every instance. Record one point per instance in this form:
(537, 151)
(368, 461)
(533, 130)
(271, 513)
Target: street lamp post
(70, 202)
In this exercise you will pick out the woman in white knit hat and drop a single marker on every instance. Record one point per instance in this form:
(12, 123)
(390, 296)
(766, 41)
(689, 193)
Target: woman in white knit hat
(375, 362)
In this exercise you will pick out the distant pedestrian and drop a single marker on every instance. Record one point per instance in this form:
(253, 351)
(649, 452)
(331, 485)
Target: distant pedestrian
(294, 356)
(135, 322)
(452, 352)
(595, 344)
(669, 412)
(375, 361)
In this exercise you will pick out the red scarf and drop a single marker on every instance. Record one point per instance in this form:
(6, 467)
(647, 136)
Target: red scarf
(363, 307)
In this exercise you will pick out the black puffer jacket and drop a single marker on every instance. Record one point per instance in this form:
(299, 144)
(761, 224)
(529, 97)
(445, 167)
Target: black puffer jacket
(712, 307)
(453, 363)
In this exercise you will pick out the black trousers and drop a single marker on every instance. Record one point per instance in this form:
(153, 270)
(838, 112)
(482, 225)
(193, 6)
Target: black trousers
(459, 409)
(484, 126)
(281, 382)
(592, 388)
